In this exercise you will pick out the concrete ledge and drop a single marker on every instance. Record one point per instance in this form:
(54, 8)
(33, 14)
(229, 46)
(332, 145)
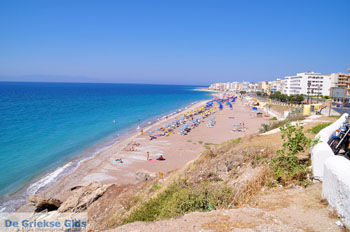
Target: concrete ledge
(336, 186)
(319, 154)
(321, 151)
(326, 133)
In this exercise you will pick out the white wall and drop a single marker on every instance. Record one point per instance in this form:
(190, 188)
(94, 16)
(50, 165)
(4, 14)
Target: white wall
(336, 186)
(334, 171)
(321, 151)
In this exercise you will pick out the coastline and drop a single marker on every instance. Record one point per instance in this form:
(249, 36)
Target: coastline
(178, 150)
(48, 179)
(87, 169)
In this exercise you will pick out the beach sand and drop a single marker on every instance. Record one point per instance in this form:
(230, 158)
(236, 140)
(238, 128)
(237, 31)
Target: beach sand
(177, 149)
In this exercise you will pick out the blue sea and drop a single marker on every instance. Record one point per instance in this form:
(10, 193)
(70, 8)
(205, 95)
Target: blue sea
(44, 127)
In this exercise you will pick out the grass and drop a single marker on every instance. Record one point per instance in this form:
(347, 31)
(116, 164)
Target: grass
(273, 119)
(180, 198)
(318, 127)
(217, 178)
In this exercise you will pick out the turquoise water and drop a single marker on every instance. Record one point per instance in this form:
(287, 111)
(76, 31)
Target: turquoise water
(45, 125)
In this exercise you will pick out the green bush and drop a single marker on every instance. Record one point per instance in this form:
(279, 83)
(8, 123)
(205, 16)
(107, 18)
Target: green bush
(319, 127)
(181, 198)
(287, 168)
(273, 119)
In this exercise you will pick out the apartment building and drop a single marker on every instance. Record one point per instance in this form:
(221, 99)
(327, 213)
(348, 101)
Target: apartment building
(263, 86)
(342, 79)
(308, 83)
(217, 86)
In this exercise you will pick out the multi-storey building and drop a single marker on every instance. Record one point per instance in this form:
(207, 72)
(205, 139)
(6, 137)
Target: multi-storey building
(263, 86)
(343, 79)
(217, 86)
(308, 83)
(277, 85)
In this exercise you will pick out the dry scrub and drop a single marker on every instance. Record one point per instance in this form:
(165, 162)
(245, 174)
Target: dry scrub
(224, 176)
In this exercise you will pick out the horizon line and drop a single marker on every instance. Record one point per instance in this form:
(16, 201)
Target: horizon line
(117, 83)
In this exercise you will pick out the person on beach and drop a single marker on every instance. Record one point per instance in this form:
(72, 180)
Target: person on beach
(147, 156)
(141, 131)
(161, 157)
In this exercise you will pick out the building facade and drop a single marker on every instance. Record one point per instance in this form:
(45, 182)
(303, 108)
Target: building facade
(263, 86)
(308, 83)
(277, 85)
(343, 80)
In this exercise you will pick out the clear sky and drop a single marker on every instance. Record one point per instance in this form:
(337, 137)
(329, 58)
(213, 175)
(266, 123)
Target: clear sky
(171, 41)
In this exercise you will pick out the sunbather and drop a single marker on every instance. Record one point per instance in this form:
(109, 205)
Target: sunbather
(160, 158)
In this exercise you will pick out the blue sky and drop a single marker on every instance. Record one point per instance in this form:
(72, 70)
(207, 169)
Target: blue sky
(171, 41)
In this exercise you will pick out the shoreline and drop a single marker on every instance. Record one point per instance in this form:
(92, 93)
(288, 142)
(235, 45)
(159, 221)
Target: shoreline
(178, 150)
(57, 192)
(40, 184)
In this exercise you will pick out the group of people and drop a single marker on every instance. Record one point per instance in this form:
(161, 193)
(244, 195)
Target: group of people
(160, 157)
(131, 146)
(187, 122)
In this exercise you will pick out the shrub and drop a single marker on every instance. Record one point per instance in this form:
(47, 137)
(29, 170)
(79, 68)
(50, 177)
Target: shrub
(155, 187)
(180, 198)
(273, 119)
(270, 126)
(286, 166)
(319, 127)
(295, 115)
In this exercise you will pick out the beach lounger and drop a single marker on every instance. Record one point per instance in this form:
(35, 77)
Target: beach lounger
(238, 128)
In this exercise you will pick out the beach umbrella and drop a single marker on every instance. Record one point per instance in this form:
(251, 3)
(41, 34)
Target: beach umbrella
(220, 105)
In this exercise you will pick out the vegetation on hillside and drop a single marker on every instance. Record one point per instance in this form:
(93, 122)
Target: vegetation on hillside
(227, 175)
(319, 127)
(287, 168)
(295, 115)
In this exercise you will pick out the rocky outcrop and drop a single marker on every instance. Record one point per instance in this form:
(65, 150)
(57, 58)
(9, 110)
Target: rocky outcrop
(42, 203)
(82, 197)
(144, 175)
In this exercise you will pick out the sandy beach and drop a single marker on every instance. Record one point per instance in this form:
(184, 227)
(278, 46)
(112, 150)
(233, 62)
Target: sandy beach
(177, 150)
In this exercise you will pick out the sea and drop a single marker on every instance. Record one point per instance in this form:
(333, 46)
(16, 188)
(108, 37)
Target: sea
(47, 129)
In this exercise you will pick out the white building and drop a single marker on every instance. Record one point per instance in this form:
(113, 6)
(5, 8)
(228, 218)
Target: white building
(277, 85)
(217, 86)
(245, 86)
(308, 83)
